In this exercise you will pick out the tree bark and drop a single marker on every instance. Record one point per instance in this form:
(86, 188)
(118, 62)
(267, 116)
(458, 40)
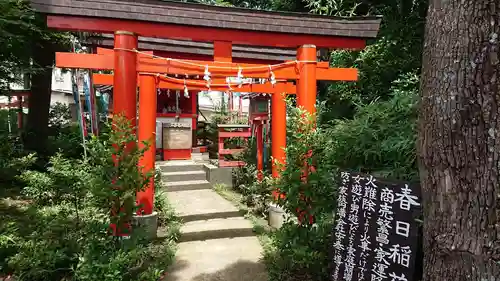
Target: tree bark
(36, 133)
(459, 140)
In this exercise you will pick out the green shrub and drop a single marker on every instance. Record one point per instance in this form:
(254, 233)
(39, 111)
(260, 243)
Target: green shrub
(380, 139)
(66, 140)
(63, 231)
(13, 160)
(300, 252)
(49, 248)
(115, 173)
(256, 195)
(66, 180)
(300, 248)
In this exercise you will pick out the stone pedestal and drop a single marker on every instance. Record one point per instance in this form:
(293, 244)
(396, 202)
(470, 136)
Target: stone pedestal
(147, 225)
(219, 175)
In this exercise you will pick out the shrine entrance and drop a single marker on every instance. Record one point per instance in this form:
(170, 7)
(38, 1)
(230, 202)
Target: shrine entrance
(227, 29)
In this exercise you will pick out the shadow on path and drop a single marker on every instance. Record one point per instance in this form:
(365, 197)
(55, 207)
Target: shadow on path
(238, 271)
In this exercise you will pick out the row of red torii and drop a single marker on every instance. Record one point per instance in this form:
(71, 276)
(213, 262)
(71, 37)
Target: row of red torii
(133, 68)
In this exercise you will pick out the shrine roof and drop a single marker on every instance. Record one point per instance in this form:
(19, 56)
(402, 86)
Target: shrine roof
(196, 48)
(200, 15)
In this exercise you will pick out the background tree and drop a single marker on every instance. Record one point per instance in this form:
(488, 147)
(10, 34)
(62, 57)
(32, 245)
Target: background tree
(459, 140)
(27, 47)
(17, 24)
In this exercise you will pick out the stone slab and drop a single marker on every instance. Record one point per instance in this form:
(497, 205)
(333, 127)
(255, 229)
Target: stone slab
(216, 228)
(184, 176)
(219, 175)
(228, 259)
(203, 204)
(179, 166)
(187, 185)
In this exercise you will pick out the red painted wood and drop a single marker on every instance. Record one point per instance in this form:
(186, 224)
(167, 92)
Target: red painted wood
(260, 150)
(173, 115)
(278, 133)
(221, 145)
(223, 51)
(306, 84)
(235, 134)
(198, 33)
(289, 88)
(146, 133)
(150, 65)
(200, 149)
(224, 163)
(176, 154)
(19, 93)
(227, 151)
(125, 77)
(198, 57)
(194, 109)
(224, 134)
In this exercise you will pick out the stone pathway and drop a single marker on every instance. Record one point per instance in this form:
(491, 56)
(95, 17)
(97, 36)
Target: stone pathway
(217, 243)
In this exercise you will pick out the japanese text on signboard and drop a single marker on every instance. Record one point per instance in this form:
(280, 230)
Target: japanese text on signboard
(376, 231)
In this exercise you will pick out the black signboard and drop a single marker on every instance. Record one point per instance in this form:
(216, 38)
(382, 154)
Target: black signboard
(376, 234)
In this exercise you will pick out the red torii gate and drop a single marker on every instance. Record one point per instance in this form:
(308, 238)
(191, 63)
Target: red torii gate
(21, 102)
(219, 85)
(223, 26)
(151, 79)
(179, 84)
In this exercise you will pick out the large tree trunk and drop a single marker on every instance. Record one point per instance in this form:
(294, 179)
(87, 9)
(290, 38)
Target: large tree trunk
(39, 102)
(459, 141)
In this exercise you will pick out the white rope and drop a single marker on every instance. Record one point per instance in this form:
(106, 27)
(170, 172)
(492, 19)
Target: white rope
(180, 81)
(271, 67)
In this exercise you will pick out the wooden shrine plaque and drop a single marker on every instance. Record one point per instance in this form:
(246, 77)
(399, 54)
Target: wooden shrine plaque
(177, 136)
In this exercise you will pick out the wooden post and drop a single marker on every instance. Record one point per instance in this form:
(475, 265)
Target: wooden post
(240, 107)
(223, 52)
(125, 76)
(147, 132)
(306, 99)
(230, 102)
(306, 84)
(260, 146)
(194, 111)
(20, 118)
(278, 131)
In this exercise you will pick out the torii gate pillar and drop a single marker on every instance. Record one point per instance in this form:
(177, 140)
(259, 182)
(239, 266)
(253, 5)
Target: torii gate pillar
(125, 76)
(306, 84)
(278, 131)
(147, 132)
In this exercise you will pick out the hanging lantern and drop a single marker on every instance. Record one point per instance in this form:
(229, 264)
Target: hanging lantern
(259, 107)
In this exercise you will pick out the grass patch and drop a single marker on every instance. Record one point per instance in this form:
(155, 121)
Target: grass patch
(51, 243)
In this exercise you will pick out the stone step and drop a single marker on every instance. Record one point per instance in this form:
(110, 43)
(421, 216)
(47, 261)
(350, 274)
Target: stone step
(184, 176)
(179, 166)
(193, 205)
(215, 229)
(187, 185)
(200, 157)
(227, 259)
